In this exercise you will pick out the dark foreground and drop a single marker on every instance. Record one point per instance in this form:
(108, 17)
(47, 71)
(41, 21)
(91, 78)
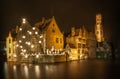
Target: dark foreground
(84, 69)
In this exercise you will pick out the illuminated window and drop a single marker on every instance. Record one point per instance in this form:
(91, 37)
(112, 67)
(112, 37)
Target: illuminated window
(83, 45)
(57, 40)
(60, 40)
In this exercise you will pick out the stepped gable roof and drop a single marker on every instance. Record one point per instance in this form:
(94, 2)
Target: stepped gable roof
(43, 25)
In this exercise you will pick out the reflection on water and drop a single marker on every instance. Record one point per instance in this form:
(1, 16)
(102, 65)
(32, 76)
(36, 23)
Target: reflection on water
(37, 71)
(86, 69)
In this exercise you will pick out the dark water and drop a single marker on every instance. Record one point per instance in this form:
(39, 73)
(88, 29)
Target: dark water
(85, 69)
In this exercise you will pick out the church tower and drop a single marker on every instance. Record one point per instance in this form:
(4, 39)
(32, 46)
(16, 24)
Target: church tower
(9, 46)
(99, 28)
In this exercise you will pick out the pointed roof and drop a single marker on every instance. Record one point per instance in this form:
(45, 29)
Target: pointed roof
(43, 25)
(10, 34)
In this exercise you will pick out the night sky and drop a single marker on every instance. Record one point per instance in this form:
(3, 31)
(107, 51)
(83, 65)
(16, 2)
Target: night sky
(67, 13)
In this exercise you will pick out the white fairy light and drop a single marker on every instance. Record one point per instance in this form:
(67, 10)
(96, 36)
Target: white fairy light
(20, 29)
(36, 33)
(39, 41)
(33, 28)
(24, 37)
(32, 46)
(20, 41)
(37, 56)
(23, 20)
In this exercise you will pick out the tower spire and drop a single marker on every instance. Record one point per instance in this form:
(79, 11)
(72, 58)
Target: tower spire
(99, 28)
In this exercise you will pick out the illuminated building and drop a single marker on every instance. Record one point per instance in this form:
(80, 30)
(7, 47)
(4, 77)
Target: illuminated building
(81, 44)
(77, 43)
(51, 33)
(99, 28)
(30, 43)
(45, 42)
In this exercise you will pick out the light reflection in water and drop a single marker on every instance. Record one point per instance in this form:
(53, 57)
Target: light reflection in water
(15, 71)
(37, 71)
(71, 70)
(26, 71)
(6, 70)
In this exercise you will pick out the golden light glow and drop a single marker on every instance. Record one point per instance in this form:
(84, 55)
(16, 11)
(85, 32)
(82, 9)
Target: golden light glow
(29, 43)
(37, 56)
(26, 56)
(24, 37)
(36, 32)
(20, 29)
(20, 41)
(21, 46)
(14, 55)
(30, 32)
(23, 20)
(32, 46)
(33, 28)
(39, 41)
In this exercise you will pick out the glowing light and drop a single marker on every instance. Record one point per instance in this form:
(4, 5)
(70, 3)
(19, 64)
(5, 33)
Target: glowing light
(37, 56)
(36, 32)
(30, 33)
(20, 29)
(23, 20)
(24, 50)
(41, 36)
(17, 45)
(20, 41)
(37, 71)
(14, 55)
(33, 28)
(28, 43)
(26, 56)
(39, 41)
(21, 46)
(24, 37)
(32, 46)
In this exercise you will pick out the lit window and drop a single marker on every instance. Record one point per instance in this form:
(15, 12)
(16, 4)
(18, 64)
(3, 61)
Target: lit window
(60, 40)
(57, 40)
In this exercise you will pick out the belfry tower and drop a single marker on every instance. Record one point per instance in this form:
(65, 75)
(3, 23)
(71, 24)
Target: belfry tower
(99, 28)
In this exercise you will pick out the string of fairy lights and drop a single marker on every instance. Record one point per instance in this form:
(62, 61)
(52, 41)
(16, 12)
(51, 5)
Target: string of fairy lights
(31, 43)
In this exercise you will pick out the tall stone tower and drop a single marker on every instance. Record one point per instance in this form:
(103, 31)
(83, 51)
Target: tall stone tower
(9, 46)
(99, 28)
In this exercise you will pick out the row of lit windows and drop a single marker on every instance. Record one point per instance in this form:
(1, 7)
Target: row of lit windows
(58, 40)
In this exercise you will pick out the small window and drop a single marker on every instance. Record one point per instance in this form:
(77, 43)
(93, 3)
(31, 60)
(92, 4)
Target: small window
(79, 45)
(53, 30)
(57, 40)
(60, 40)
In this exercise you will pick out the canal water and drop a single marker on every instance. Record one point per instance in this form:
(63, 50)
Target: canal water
(84, 69)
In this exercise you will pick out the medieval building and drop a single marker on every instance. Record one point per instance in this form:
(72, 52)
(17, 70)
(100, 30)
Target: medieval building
(27, 42)
(45, 42)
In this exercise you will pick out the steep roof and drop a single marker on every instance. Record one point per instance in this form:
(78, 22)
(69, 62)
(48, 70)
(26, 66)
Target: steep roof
(43, 25)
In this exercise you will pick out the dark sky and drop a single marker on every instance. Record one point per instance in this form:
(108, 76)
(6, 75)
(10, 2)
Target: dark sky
(67, 13)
